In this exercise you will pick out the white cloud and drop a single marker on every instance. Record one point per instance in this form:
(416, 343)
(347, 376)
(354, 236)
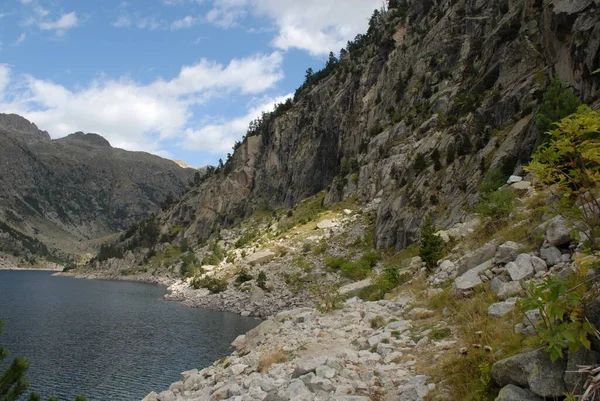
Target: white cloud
(122, 22)
(20, 39)
(131, 115)
(4, 78)
(64, 23)
(26, 1)
(219, 138)
(186, 22)
(315, 26)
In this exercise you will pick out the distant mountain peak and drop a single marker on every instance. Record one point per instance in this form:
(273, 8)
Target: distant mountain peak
(91, 139)
(183, 164)
(22, 129)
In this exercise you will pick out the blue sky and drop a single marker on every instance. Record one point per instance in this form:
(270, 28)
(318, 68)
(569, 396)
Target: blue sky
(178, 78)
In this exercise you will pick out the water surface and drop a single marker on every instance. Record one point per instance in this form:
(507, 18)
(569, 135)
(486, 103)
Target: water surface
(109, 340)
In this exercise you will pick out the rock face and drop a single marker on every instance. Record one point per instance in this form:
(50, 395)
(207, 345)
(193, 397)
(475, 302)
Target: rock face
(534, 370)
(363, 129)
(74, 189)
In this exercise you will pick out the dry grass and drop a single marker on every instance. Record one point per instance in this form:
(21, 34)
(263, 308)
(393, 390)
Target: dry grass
(267, 360)
(467, 376)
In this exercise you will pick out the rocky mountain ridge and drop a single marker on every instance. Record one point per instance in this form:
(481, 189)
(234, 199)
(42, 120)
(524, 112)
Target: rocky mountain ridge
(411, 117)
(59, 196)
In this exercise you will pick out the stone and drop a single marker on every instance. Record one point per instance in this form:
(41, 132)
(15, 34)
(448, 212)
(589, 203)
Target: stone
(166, 396)
(354, 289)
(470, 279)
(237, 369)
(557, 232)
(400, 326)
(318, 383)
(521, 268)
(325, 372)
(539, 265)
(497, 283)
(327, 224)
(534, 370)
(502, 308)
(513, 179)
(522, 186)
(510, 289)
(151, 397)
(443, 235)
(507, 252)
(477, 257)
(551, 255)
(297, 391)
(420, 313)
(259, 258)
(514, 393)
(415, 389)
(573, 380)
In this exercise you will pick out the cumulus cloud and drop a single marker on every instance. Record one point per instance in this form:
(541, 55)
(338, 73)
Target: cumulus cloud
(62, 24)
(20, 39)
(220, 138)
(4, 78)
(315, 26)
(122, 22)
(186, 22)
(131, 115)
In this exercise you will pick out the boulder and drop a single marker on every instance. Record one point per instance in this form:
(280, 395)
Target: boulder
(166, 396)
(513, 179)
(534, 370)
(259, 258)
(521, 268)
(151, 397)
(507, 252)
(326, 224)
(502, 308)
(354, 289)
(551, 255)
(557, 232)
(514, 393)
(573, 380)
(510, 289)
(539, 265)
(415, 389)
(523, 185)
(470, 279)
(477, 257)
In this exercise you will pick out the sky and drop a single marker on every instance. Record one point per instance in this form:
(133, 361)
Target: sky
(178, 78)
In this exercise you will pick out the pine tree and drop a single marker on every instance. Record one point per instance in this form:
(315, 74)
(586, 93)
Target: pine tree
(431, 245)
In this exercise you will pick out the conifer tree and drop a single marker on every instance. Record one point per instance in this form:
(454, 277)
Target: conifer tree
(431, 245)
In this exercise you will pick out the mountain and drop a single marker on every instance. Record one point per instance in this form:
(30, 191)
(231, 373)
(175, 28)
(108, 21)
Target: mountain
(409, 119)
(64, 194)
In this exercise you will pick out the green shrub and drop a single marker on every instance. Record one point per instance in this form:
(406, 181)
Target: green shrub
(212, 284)
(354, 270)
(261, 280)
(492, 180)
(559, 102)
(246, 238)
(498, 204)
(217, 255)
(431, 246)
(243, 276)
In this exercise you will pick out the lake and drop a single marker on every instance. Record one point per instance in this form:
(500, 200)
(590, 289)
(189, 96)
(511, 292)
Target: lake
(108, 340)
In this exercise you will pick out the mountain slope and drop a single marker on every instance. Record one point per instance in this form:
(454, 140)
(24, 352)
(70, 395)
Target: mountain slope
(411, 118)
(69, 191)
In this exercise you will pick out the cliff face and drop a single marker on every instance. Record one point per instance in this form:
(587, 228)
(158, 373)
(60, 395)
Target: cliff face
(76, 189)
(434, 95)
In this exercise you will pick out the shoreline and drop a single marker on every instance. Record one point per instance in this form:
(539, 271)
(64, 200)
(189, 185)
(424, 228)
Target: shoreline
(30, 269)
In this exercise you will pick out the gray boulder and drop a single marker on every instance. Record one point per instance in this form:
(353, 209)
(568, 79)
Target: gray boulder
(508, 290)
(521, 268)
(557, 232)
(477, 257)
(502, 308)
(534, 370)
(551, 255)
(151, 397)
(514, 393)
(574, 381)
(261, 257)
(470, 279)
(538, 264)
(507, 252)
(415, 389)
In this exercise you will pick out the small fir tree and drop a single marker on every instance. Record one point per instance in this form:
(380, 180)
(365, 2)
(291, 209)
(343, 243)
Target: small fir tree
(431, 246)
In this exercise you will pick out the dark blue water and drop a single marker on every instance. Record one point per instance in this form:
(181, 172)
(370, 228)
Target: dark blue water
(108, 340)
